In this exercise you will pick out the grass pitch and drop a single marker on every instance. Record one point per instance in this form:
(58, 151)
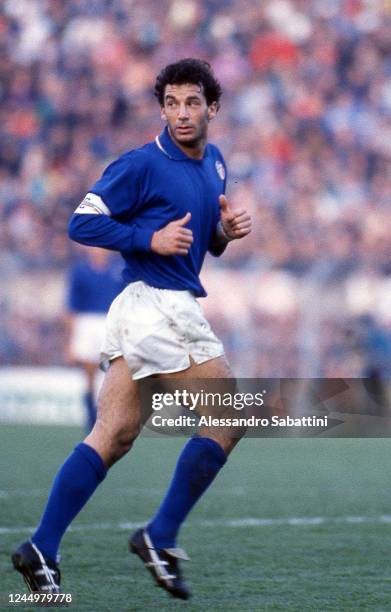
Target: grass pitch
(289, 525)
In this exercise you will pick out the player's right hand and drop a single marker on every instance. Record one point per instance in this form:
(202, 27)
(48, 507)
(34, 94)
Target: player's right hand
(174, 238)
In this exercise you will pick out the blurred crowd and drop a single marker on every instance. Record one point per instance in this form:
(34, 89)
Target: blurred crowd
(305, 126)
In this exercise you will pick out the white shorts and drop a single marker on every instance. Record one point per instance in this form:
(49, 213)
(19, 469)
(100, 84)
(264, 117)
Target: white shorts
(87, 336)
(157, 330)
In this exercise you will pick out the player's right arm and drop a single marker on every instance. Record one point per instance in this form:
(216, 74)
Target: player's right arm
(93, 228)
(118, 195)
(92, 224)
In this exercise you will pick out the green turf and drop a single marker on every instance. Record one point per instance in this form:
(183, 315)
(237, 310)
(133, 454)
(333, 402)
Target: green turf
(336, 565)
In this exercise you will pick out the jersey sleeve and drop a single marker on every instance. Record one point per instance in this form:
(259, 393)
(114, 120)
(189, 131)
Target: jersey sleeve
(104, 217)
(120, 185)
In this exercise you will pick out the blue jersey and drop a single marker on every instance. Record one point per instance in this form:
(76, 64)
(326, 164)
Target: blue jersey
(92, 289)
(143, 191)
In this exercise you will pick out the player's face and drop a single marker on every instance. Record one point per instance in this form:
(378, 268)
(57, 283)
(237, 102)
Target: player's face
(187, 114)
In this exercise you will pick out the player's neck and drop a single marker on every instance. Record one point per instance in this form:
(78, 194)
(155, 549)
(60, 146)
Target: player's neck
(195, 152)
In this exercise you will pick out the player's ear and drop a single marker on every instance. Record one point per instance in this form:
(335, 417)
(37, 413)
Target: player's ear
(163, 113)
(212, 110)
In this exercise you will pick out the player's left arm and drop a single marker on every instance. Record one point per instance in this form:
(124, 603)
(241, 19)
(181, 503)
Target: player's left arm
(234, 223)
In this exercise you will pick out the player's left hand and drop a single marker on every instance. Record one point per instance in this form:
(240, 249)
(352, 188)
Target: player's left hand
(236, 223)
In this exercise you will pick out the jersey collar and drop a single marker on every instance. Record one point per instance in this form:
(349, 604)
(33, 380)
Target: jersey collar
(169, 148)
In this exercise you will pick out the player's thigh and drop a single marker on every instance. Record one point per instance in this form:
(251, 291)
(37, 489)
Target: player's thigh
(213, 368)
(118, 398)
(215, 378)
(119, 416)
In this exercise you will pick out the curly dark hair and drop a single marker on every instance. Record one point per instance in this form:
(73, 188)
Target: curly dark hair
(189, 70)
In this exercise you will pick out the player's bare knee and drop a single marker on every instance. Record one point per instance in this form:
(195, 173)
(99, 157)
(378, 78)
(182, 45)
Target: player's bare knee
(123, 438)
(115, 439)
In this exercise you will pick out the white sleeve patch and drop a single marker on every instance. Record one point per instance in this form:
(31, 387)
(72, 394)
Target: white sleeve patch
(92, 205)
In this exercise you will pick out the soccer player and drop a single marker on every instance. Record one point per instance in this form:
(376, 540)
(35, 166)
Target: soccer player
(94, 281)
(162, 206)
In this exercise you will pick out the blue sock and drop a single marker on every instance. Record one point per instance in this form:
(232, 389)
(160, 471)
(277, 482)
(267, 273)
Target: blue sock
(90, 409)
(197, 466)
(74, 484)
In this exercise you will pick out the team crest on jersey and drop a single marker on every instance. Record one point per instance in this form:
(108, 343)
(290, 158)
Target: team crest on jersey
(220, 169)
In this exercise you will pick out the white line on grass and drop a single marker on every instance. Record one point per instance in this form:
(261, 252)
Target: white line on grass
(305, 521)
(22, 493)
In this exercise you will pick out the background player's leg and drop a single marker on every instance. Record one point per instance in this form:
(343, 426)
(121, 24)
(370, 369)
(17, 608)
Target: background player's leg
(198, 464)
(89, 370)
(117, 425)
